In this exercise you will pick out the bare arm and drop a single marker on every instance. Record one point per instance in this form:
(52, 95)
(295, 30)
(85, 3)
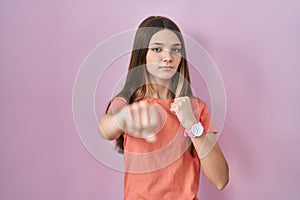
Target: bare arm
(138, 119)
(109, 128)
(213, 162)
(212, 159)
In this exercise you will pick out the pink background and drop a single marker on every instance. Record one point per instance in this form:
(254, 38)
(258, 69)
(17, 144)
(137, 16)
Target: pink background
(255, 44)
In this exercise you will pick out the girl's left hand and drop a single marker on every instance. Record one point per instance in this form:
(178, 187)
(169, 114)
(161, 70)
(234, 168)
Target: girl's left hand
(182, 108)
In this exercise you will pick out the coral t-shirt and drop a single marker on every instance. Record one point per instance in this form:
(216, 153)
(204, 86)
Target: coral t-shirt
(164, 169)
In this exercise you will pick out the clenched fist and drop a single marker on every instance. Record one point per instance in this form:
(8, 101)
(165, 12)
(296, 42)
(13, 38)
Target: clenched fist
(141, 120)
(183, 110)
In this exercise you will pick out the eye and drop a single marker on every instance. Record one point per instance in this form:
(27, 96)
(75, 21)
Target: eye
(156, 49)
(176, 50)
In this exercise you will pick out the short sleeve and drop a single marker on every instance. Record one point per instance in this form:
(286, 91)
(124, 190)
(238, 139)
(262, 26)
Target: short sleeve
(205, 119)
(116, 104)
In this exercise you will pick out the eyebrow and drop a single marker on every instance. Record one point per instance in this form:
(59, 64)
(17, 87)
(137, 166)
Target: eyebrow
(159, 43)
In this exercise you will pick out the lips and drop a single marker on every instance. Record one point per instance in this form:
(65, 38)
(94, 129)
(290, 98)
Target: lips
(165, 67)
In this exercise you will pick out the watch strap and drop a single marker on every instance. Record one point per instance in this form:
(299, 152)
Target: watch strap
(188, 133)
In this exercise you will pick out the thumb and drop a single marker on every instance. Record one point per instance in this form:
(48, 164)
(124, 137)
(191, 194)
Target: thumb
(151, 138)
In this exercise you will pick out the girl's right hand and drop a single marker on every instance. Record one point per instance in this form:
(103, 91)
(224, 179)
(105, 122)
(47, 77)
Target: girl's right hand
(141, 120)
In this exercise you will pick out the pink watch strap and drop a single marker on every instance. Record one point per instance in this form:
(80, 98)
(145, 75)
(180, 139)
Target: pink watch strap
(188, 133)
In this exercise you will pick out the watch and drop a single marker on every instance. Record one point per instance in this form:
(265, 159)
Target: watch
(196, 131)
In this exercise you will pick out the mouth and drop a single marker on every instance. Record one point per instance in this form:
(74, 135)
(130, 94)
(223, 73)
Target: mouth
(165, 67)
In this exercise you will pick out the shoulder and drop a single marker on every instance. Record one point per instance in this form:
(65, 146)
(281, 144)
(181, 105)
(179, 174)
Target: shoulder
(119, 100)
(195, 101)
(116, 103)
(199, 106)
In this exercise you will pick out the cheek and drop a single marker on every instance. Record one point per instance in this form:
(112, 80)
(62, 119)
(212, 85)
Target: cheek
(149, 61)
(178, 60)
(151, 58)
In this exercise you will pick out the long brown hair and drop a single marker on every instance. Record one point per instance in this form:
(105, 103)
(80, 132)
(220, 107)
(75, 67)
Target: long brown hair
(136, 86)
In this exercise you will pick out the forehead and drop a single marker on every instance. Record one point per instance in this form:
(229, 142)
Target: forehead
(166, 37)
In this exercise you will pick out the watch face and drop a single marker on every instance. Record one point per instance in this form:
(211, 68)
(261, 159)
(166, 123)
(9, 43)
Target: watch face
(197, 129)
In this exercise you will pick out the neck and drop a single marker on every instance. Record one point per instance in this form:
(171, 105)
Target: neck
(161, 88)
(161, 92)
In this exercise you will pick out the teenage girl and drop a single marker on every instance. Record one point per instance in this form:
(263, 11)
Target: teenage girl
(165, 132)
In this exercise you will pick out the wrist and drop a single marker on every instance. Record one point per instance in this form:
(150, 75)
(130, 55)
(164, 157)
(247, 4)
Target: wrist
(195, 131)
(190, 124)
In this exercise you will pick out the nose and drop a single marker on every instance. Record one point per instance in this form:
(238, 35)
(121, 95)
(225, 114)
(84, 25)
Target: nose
(167, 56)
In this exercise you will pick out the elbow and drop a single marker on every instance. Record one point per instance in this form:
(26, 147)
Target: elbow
(224, 178)
(105, 132)
(109, 137)
(222, 184)
(102, 131)
(106, 137)
(222, 181)
(103, 135)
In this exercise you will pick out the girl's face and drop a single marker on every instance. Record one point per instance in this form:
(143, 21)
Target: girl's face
(163, 56)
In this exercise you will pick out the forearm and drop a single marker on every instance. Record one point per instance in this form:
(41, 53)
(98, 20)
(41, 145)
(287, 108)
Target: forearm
(109, 128)
(213, 162)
